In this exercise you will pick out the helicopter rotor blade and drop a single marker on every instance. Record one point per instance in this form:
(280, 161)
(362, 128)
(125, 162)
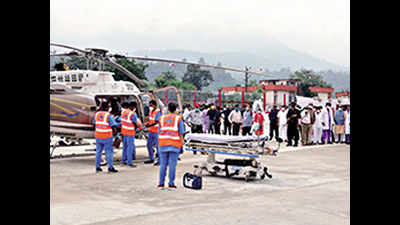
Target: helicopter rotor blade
(125, 71)
(202, 65)
(73, 48)
(105, 60)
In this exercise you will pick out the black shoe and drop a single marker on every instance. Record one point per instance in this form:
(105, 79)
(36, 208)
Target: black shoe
(132, 166)
(148, 161)
(99, 169)
(112, 170)
(157, 163)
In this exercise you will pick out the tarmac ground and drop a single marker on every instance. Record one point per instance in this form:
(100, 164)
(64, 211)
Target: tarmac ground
(310, 185)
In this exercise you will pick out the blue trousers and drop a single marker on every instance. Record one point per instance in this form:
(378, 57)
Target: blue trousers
(169, 159)
(128, 149)
(152, 140)
(105, 144)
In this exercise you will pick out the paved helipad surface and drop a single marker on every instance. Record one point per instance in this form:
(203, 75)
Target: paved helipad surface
(310, 185)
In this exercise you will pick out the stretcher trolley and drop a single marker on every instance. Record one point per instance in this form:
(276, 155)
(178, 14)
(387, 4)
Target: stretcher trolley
(245, 152)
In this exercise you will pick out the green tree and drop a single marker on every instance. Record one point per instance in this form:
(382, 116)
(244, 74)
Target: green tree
(307, 79)
(169, 79)
(199, 78)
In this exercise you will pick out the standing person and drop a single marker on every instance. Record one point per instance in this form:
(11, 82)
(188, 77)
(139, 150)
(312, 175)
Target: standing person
(218, 119)
(104, 124)
(293, 116)
(124, 114)
(282, 123)
(227, 124)
(247, 120)
(235, 118)
(273, 123)
(211, 116)
(306, 123)
(152, 124)
(170, 138)
(317, 126)
(205, 119)
(327, 122)
(259, 118)
(347, 124)
(339, 124)
(195, 119)
(129, 124)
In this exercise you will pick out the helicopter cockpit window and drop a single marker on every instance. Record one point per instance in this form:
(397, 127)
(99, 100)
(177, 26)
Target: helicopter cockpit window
(80, 77)
(66, 78)
(73, 78)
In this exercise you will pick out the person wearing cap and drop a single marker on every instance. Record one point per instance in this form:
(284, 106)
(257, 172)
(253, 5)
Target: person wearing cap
(170, 141)
(292, 117)
(152, 125)
(327, 121)
(104, 128)
(282, 120)
(317, 126)
(211, 116)
(306, 123)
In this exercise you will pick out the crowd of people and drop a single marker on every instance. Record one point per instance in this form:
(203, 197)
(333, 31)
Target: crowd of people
(311, 125)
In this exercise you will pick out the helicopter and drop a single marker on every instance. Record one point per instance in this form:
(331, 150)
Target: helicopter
(76, 94)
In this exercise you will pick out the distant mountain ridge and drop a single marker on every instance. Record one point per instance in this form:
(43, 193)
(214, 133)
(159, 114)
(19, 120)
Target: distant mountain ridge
(270, 65)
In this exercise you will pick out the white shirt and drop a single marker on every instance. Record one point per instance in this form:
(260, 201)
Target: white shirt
(282, 117)
(305, 117)
(186, 114)
(318, 120)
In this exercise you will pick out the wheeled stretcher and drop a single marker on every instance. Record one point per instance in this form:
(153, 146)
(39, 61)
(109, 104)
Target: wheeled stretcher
(247, 148)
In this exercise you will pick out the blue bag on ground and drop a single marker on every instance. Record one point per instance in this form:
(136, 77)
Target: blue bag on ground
(192, 181)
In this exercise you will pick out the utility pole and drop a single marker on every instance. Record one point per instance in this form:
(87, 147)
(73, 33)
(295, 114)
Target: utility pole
(246, 80)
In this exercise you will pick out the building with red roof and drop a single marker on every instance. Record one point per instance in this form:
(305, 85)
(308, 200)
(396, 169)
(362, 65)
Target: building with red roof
(323, 93)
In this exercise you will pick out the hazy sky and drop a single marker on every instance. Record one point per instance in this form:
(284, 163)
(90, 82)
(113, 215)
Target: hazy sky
(320, 28)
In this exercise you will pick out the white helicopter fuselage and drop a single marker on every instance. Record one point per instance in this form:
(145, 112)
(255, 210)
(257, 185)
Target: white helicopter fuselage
(93, 82)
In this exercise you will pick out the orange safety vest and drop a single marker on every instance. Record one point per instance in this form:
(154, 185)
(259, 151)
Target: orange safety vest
(169, 134)
(103, 128)
(127, 126)
(152, 117)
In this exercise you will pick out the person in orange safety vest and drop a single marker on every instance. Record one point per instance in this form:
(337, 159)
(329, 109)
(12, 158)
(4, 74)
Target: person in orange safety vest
(104, 124)
(152, 124)
(170, 141)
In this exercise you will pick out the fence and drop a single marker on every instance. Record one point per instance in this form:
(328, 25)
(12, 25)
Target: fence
(192, 97)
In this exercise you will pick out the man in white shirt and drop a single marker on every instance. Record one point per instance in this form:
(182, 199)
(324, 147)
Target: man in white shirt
(282, 123)
(235, 117)
(317, 127)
